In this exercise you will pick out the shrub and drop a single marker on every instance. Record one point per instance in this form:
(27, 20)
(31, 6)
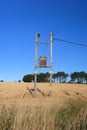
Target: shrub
(1, 80)
(72, 117)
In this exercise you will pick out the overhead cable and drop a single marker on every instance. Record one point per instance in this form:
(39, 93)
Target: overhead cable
(74, 43)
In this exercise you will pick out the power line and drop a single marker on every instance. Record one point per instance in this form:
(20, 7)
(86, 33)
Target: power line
(74, 43)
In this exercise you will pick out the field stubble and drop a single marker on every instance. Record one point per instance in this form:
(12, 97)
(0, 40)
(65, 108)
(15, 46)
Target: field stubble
(10, 94)
(40, 113)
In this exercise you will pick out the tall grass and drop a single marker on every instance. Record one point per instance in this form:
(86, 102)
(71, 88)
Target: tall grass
(72, 116)
(7, 117)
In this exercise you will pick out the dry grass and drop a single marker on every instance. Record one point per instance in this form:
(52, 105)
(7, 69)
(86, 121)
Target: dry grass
(28, 112)
(10, 94)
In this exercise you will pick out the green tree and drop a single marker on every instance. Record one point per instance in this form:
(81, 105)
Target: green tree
(28, 78)
(78, 77)
(61, 76)
(43, 77)
(82, 76)
(1, 80)
(75, 77)
(54, 77)
(86, 78)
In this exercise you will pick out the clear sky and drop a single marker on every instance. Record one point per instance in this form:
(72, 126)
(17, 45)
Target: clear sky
(19, 22)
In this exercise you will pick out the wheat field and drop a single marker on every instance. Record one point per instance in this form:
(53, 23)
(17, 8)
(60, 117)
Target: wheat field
(11, 94)
(26, 112)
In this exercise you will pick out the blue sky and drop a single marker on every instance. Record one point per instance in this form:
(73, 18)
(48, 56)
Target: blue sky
(19, 22)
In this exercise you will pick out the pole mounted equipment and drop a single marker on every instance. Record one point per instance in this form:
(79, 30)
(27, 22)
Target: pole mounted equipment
(42, 62)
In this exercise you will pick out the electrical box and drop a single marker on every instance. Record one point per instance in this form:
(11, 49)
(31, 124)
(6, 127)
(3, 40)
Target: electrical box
(43, 61)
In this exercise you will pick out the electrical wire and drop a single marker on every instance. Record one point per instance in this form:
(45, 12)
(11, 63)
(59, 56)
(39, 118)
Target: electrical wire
(74, 43)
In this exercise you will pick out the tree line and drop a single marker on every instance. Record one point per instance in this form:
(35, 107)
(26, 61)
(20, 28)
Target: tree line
(61, 77)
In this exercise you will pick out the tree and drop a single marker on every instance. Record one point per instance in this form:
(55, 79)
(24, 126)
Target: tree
(43, 77)
(78, 77)
(61, 76)
(85, 78)
(28, 78)
(82, 76)
(54, 77)
(65, 76)
(75, 77)
(19, 81)
(1, 80)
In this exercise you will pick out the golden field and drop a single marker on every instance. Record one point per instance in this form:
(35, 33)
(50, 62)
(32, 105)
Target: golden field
(11, 94)
(43, 112)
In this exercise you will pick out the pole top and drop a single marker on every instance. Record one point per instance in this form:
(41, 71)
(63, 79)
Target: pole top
(37, 35)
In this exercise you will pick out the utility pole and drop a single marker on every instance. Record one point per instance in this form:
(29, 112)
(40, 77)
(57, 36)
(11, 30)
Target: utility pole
(42, 62)
(51, 40)
(36, 64)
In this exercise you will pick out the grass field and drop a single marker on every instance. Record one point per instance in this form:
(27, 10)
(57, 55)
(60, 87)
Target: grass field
(42, 112)
(11, 94)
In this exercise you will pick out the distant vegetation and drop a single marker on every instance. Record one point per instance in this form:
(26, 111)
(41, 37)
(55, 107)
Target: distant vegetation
(1, 80)
(72, 116)
(61, 77)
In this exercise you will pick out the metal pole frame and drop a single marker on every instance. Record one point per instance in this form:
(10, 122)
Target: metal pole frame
(36, 64)
(51, 40)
